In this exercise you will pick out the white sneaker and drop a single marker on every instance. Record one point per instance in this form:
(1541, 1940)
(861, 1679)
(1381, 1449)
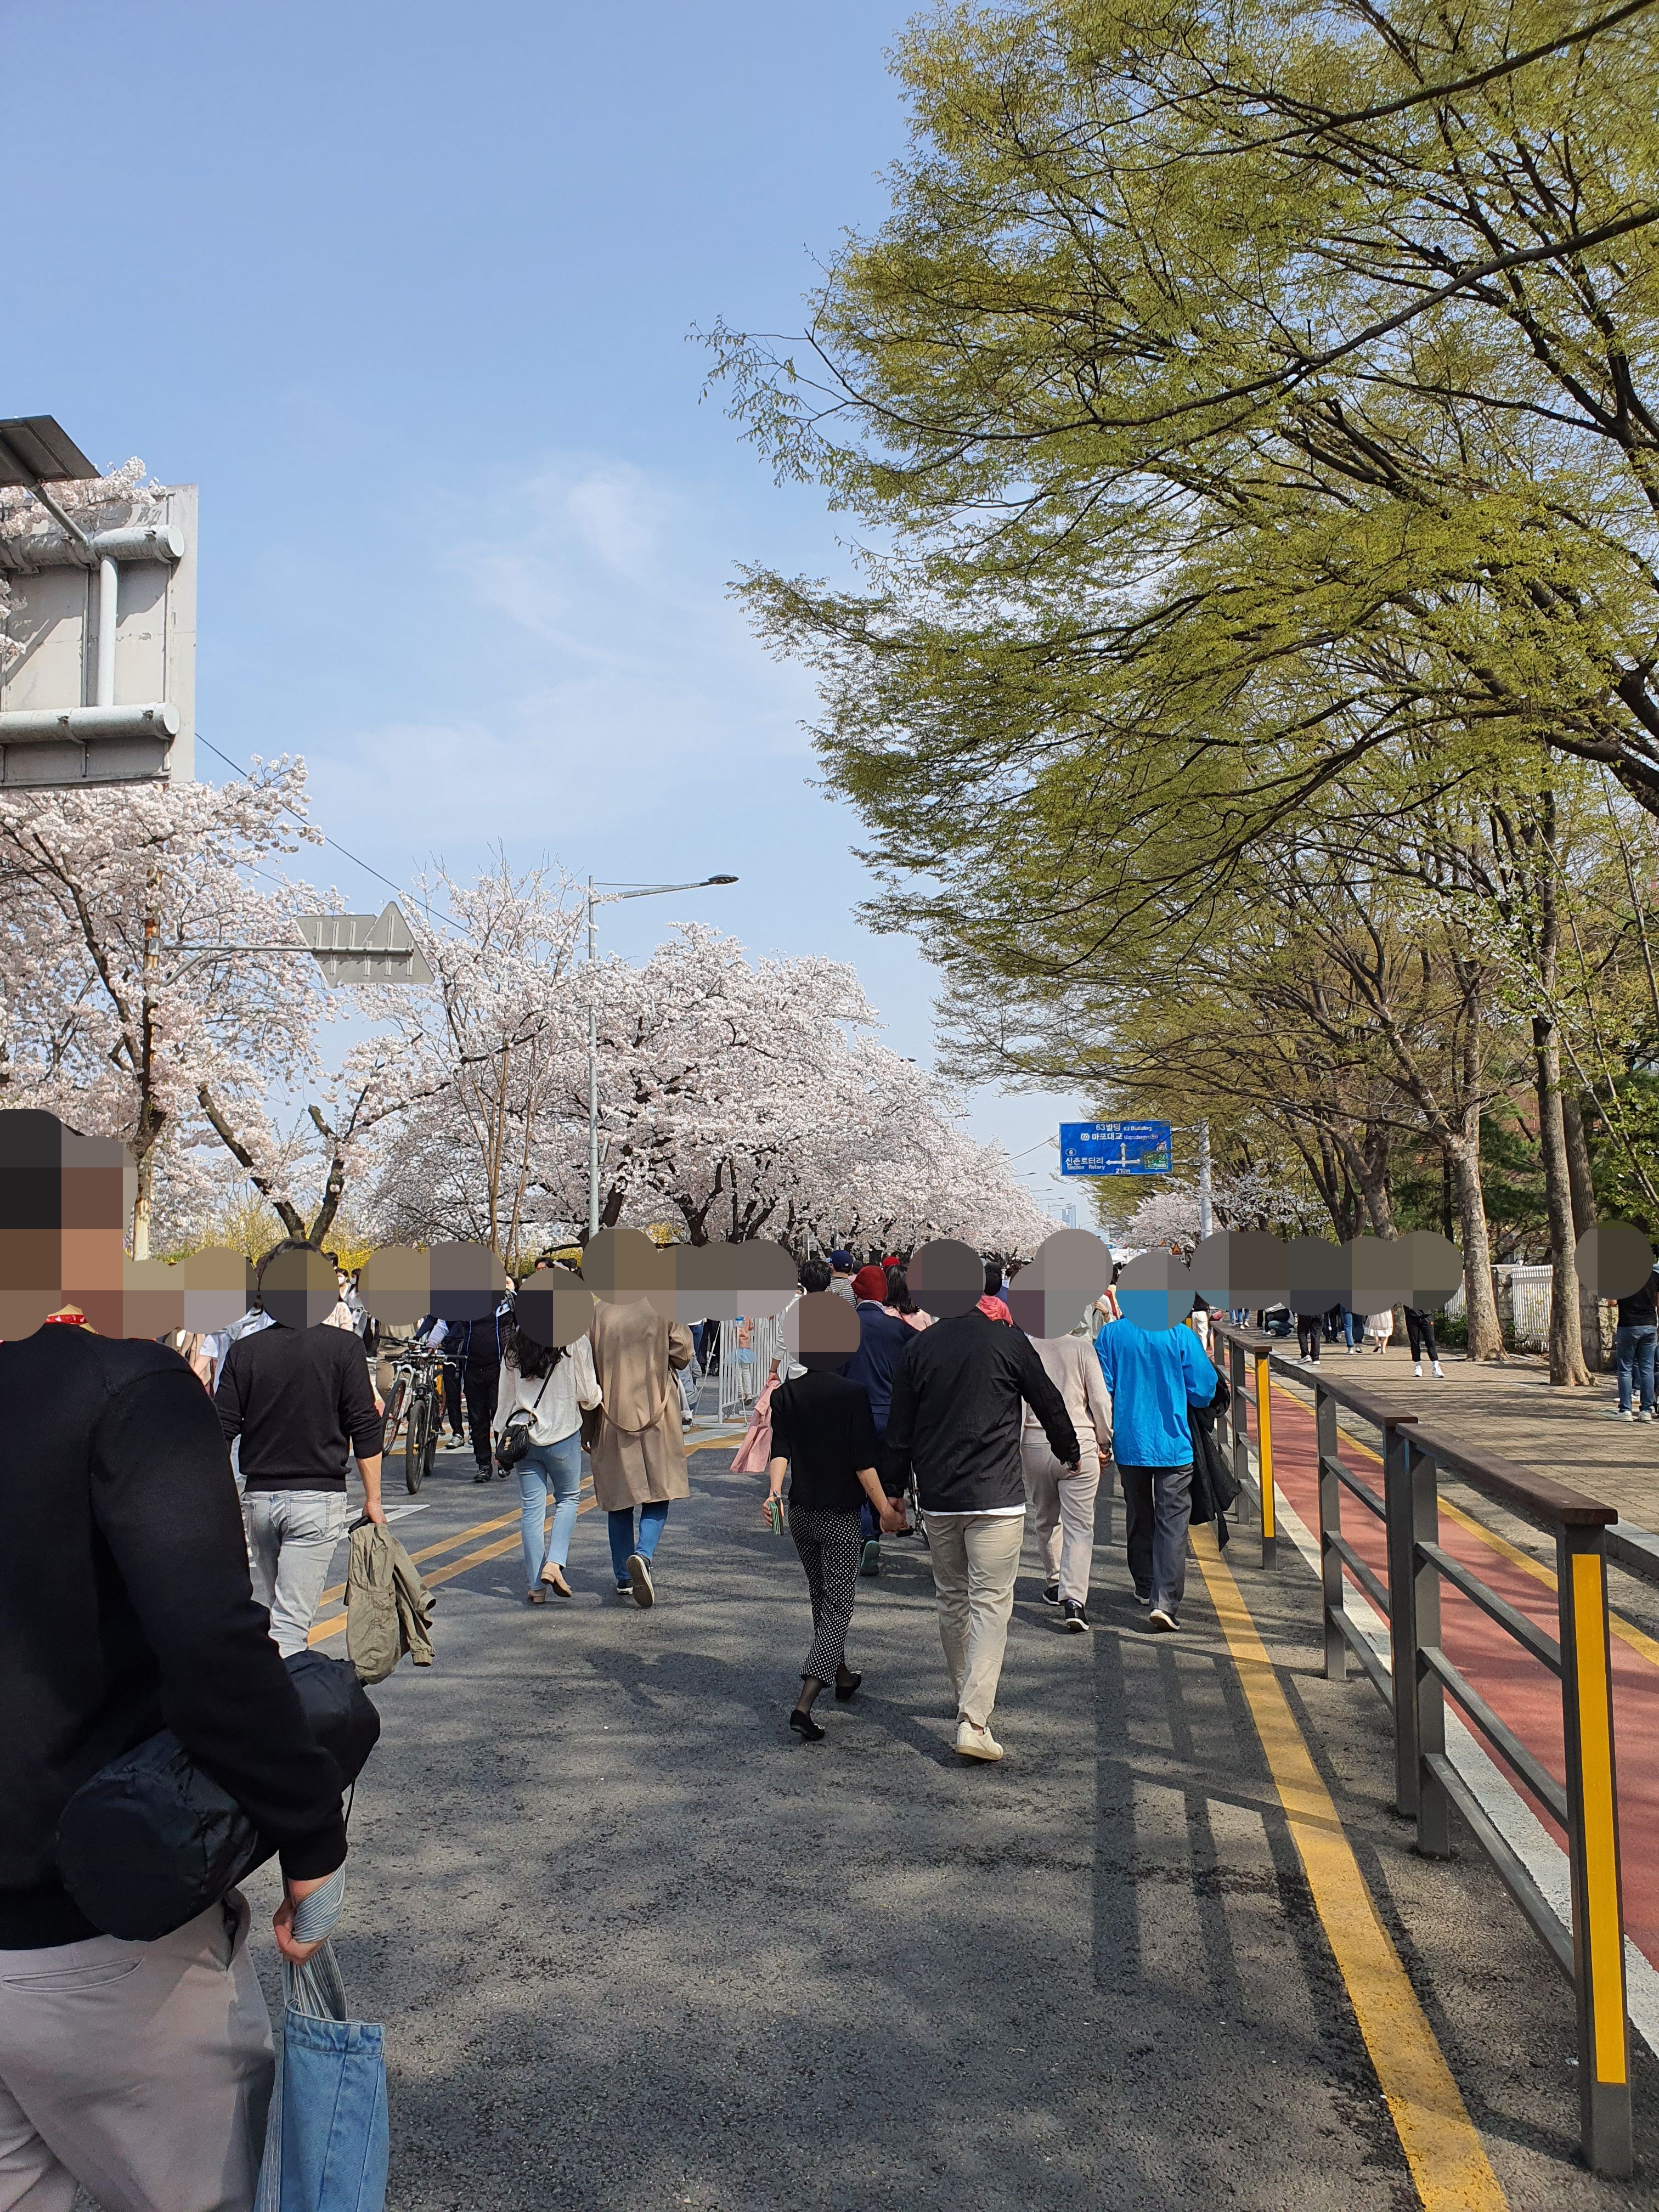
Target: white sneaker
(1439, 1370)
(1165, 1623)
(1620, 1414)
(1417, 1367)
(977, 1742)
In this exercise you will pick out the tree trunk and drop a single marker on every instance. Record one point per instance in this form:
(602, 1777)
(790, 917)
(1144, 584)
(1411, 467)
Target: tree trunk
(1486, 1336)
(1367, 1164)
(1583, 1218)
(1567, 1368)
(141, 1207)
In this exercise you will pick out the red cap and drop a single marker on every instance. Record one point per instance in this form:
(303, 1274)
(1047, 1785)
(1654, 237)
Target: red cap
(870, 1283)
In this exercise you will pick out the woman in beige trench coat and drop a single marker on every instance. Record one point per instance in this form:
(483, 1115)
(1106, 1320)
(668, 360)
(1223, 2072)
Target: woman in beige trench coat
(639, 1454)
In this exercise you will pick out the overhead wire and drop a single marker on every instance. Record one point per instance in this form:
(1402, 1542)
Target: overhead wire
(356, 858)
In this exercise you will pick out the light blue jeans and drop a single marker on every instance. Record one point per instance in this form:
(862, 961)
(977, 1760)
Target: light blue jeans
(558, 1468)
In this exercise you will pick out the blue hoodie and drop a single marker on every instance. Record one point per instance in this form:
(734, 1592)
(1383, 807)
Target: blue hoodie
(1153, 1375)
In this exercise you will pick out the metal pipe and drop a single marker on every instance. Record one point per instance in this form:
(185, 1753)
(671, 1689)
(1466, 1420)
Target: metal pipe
(1204, 1211)
(51, 725)
(593, 1083)
(109, 585)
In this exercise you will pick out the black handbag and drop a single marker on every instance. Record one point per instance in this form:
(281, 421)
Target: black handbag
(151, 1840)
(514, 1441)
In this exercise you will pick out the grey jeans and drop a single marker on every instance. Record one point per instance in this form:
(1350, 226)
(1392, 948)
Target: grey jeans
(291, 1537)
(140, 2070)
(1157, 1506)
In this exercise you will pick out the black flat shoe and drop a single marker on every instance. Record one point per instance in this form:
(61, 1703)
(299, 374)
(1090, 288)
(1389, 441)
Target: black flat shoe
(482, 1475)
(805, 1726)
(850, 1688)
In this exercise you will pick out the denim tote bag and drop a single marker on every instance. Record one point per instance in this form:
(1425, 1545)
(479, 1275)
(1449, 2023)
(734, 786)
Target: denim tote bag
(326, 2138)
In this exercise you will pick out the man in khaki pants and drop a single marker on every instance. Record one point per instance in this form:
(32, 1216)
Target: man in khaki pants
(958, 1401)
(140, 2071)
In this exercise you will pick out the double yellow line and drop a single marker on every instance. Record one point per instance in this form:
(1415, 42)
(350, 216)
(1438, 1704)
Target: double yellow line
(335, 1626)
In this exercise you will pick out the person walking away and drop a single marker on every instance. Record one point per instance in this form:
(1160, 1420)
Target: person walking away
(140, 2071)
(1379, 1327)
(638, 1455)
(1310, 1335)
(900, 1303)
(955, 1422)
(993, 1305)
(1419, 1334)
(477, 1348)
(546, 1391)
(1636, 1351)
(841, 1276)
(294, 1397)
(1062, 1501)
(882, 1340)
(823, 1437)
(1154, 1375)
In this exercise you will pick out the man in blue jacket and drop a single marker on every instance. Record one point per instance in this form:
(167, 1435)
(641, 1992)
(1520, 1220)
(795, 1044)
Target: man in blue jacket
(883, 1339)
(1154, 1375)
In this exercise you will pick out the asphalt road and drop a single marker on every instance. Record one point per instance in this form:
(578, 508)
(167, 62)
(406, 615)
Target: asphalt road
(636, 1947)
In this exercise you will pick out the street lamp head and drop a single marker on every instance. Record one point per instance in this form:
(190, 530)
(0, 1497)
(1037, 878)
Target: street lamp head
(719, 879)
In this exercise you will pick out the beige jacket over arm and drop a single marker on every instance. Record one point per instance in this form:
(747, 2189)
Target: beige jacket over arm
(1073, 1365)
(639, 1458)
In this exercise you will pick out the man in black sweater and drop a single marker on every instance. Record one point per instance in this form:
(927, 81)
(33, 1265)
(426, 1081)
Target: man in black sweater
(955, 1419)
(140, 2071)
(296, 1395)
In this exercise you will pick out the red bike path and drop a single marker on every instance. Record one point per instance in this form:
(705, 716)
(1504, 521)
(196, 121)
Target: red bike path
(1520, 1689)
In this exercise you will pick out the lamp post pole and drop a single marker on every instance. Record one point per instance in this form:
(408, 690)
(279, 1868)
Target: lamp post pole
(621, 891)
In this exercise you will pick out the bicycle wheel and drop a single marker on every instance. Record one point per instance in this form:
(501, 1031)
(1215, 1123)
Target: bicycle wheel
(396, 1400)
(417, 1441)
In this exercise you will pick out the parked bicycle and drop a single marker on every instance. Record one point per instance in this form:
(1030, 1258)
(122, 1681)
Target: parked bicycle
(414, 1403)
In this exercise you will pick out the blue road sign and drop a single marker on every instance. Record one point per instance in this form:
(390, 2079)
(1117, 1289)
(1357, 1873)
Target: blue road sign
(1108, 1148)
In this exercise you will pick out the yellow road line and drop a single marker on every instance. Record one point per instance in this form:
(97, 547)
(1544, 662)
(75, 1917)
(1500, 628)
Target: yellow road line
(1448, 2161)
(324, 1629)
(1626, 1630)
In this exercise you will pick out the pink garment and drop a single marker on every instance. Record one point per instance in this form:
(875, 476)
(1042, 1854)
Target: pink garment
(994, 1309)
(754, 1452)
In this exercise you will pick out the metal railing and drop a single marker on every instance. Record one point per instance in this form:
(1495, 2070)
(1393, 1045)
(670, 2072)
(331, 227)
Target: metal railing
(1420, 1677)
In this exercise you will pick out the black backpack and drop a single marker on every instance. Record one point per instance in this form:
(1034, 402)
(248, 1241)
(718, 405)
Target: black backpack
(151, 1840)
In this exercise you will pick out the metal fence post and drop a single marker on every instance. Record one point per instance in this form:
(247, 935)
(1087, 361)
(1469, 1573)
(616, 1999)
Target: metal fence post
(1403, 1637)
(1239, 1414)
(1264, 1439)
(1598, 1945)
(1330, 1524)
(1428, 1698)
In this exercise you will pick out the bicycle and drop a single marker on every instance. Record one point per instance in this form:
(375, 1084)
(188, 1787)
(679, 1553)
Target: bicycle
(412, 1402)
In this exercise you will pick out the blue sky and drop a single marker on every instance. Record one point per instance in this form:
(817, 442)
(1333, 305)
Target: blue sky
(407, 290)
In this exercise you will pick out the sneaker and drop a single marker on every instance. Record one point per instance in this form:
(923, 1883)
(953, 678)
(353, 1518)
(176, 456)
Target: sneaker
(624, 1590)
(1143, 1597)
(1439, 1370)
(1417, 1369)
(1653, 1415)
(1073, 1616)
(870, 1560)
(638, 1579)
(1620, 1414)
(977, 1742)
(1165, 1622)
(1051, 1594)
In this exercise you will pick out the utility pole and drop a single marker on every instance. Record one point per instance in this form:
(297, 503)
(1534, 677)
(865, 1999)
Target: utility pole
(593, 1082)
(1204, 1215)
(621, 891)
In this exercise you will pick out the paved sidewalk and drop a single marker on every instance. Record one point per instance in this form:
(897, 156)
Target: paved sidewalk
(1510, 1407)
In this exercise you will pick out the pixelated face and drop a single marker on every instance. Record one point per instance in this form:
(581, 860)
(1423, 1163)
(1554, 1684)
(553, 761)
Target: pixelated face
(554, 1307)
(822, 1329)
(1154, 1290)
(946, 1278)
(298, 1289)
(1070, 1269)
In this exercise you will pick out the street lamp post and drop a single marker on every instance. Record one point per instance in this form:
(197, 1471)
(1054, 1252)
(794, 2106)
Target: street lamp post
(622, 891)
